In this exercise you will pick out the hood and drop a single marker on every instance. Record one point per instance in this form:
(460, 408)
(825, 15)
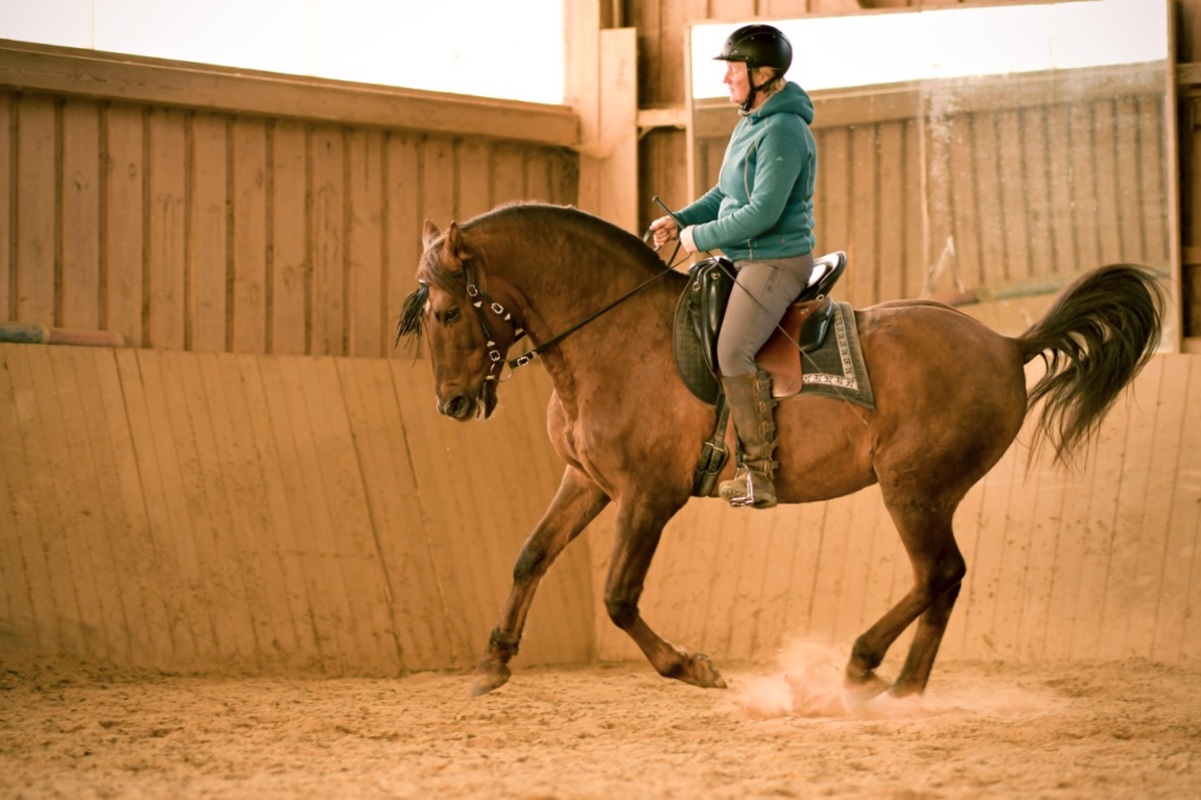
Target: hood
(792, 99)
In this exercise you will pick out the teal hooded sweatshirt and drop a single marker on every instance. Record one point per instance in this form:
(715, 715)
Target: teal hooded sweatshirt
(762, 205)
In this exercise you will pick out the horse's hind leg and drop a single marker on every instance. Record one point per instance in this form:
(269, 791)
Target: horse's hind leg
(576, 503)
(938, 570)
(638, 532)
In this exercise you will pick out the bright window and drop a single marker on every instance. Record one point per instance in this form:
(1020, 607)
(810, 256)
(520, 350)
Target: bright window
(511, 50)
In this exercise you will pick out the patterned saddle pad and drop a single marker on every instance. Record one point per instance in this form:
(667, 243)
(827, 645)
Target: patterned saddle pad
(836, 369)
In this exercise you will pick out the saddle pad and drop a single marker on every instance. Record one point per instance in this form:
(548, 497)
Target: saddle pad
(836, 369)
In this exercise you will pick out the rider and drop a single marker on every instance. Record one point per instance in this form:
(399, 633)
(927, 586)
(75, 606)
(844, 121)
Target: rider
(760, 215)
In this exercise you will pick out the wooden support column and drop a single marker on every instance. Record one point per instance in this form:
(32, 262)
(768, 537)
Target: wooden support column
(602, 88)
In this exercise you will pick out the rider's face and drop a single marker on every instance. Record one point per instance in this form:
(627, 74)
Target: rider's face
(737, 81)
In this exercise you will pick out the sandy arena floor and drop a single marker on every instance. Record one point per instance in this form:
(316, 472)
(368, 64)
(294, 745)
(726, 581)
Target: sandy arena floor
(1116, 730)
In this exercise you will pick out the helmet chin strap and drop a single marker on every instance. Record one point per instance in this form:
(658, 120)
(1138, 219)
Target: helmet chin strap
(750, 96)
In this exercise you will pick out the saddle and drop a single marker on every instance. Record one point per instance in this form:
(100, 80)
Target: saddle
(802, 329)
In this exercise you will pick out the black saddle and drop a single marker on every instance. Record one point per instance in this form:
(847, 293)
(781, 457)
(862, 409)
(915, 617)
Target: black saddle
(802, 329)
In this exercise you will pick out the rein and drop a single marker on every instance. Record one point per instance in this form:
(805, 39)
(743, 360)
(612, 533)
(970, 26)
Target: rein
(478, 297)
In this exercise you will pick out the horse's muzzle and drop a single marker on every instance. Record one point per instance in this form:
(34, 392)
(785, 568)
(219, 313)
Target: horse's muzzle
(464, 408)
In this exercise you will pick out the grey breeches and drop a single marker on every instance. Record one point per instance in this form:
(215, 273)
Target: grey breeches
(764, 289)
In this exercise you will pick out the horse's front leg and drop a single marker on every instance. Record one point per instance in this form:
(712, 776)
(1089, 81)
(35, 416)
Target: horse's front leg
(576, 503)
(638, 532)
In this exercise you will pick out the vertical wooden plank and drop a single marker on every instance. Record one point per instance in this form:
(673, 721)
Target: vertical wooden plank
(260, 414)
(1134, 512)
(289, 309)
(1061, 214)
(402, 227)
(397, 515)
(224, 599)
(174, 566)
(439, 178)
(118, 575)
(1166, 379)
(865, 506)
(1176, 624)
(1104, 469)
(940, 266)
(461, 584)
(965, 201)
(833, 194)
(80, 286)
(771, 609)
(830, 572)
(8, 202)
(348, 536)
(865, 173)
(472, 175)
(1085, 187)
(1035, 165)
(165, 252)
(39, 631)
(123, 223)
(1128, 166)
(152, 623)
(1011, 526)
(367, 329)
(34, 234)
(208, 246)
(296, 443)
(894, 233)
(1013, 178)
(809, 528)
(914, 243)
(1106, 161)
(327, 227)
(76, 602)
(1045, 487)
(247, 294)
(245, 532)
(94, 570)
(507, 182)
(1153, 177)
(993, 160)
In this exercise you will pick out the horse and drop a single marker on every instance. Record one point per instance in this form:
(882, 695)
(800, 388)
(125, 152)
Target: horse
(597, 303)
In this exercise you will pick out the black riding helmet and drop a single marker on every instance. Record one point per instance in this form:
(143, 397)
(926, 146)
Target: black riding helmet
(758, 46)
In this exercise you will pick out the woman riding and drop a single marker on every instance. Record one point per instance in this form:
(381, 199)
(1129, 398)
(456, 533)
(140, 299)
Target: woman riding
(760, 215)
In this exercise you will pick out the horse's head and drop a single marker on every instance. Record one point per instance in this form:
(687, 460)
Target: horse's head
(466, 330)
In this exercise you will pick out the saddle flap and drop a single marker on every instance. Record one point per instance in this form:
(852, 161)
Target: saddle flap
(802, 329)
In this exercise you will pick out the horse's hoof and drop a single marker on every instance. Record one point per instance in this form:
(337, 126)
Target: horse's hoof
(859, 691)
(705, 675)
(489, 678)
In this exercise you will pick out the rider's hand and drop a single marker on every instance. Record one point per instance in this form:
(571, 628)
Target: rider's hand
(686, 240)
(664, 229)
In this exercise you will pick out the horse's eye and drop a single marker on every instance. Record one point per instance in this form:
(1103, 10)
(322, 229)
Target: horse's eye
(451, 315)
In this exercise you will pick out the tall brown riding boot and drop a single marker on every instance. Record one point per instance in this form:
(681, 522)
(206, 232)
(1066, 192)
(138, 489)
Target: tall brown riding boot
(752, 408)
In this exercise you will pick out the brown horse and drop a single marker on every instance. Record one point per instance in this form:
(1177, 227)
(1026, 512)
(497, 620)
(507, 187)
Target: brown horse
(950, 398)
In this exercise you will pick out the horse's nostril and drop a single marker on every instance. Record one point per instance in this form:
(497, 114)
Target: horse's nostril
(456, 406)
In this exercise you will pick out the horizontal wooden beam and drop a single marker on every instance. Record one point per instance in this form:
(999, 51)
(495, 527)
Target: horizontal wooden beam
(111, 76)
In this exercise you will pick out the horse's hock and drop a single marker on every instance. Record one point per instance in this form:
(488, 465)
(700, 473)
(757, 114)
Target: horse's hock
(277, 515)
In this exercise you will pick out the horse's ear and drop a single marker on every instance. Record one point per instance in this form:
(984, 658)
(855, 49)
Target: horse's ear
(429, 233)
(454, 252)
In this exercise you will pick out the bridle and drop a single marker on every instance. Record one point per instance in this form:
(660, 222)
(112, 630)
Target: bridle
(482, 302)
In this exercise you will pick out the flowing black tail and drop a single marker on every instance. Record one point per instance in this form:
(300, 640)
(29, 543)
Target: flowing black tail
(1095, 339)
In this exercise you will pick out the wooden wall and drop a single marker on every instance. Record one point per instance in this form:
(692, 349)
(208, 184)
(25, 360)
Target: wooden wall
(983, 187)
(243, 514)
(197, 208)
(1099, 563)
